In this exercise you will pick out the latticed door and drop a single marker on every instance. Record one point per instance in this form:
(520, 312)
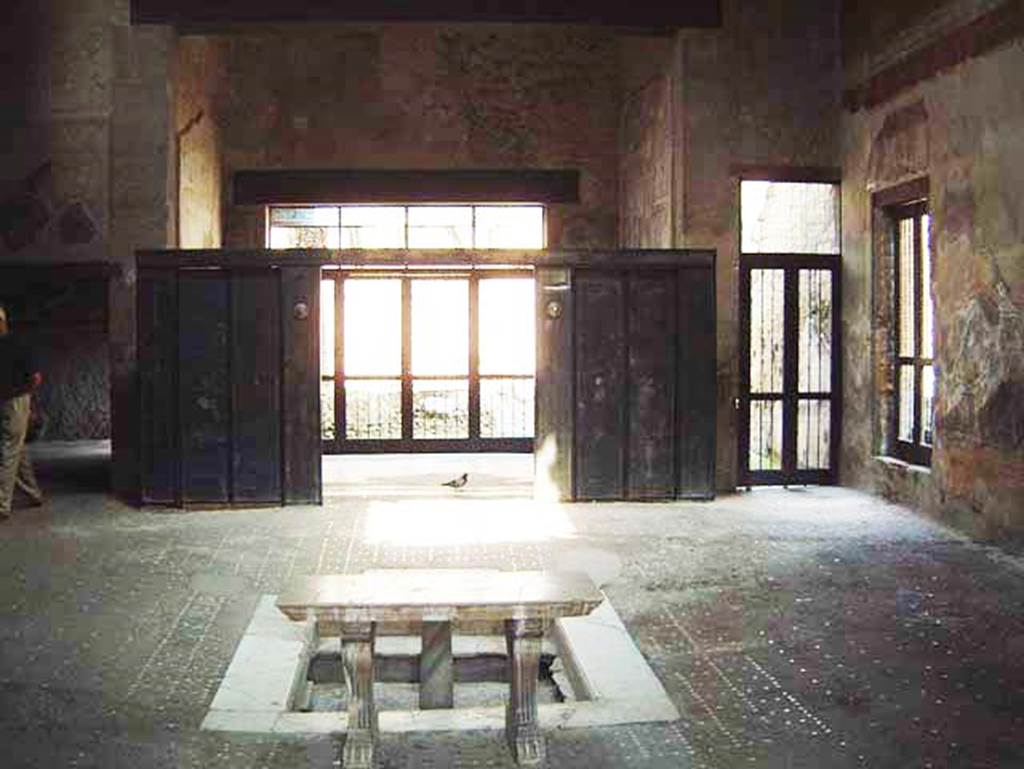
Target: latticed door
(789, 403)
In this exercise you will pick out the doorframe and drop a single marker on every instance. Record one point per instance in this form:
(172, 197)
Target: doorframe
(790, 264)
(474, 443)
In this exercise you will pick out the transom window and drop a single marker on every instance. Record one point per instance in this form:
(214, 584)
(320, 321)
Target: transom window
(914, 422)
(404, 226)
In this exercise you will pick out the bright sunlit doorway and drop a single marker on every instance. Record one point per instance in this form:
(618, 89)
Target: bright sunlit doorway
(422, 358)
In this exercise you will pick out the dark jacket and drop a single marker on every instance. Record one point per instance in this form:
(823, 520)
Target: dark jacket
(17, 367)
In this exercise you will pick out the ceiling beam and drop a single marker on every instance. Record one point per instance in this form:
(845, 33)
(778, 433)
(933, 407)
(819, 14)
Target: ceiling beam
(413, 186)
(646, 14)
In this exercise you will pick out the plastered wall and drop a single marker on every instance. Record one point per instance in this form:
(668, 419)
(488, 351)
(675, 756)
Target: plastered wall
(963, 129)
(649, 139)
(86, 175)
(129, 117)
(762, 90)
(426, 96)
(54, 203)
(200, 76)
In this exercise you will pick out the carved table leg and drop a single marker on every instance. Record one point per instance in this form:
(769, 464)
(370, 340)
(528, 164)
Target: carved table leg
(523, 638)
(436, 681)
(357, 659)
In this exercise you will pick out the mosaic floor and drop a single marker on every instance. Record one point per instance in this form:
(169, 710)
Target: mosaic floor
(804, 628)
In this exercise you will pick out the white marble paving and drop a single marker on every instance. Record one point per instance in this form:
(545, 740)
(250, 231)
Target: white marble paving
(613, 683)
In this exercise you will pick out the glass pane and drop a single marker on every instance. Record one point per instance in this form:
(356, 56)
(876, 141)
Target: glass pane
(905, 385)
(815, 364)
(315, 216)
(373, 327)
(927, 405)
(373, 409)
(506, 408)
(509, 226)
(372, 227)
(927, 307)
(327, 409)
(440, 409)
(440, 227)
(766, 330)
(906, 281)
(789, 218)
(507, 338)
(326, 328)
(304, 237)
(766, 435)
(812, 434)
(440, 327)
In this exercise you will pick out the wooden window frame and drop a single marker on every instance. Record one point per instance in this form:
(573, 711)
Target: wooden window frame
(914, 451)
(407, 442)
(406, 208)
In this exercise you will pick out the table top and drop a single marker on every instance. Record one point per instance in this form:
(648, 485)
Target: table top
(404, 595)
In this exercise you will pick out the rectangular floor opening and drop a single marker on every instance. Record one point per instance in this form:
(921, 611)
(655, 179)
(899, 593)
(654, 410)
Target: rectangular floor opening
(480, 673)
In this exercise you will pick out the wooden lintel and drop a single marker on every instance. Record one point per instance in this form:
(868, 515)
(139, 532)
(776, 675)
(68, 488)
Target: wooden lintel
(786, 173)
(907, 192)
(400, 258)
(65, 270)
(640, 13)
(308, 186)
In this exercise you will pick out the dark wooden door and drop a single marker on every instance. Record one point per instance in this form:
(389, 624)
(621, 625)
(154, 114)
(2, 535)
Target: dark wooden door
(230, 375)
(644, 381)
(228, 382)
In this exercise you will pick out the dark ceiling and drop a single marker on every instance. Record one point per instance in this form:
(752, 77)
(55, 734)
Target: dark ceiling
(648, 14)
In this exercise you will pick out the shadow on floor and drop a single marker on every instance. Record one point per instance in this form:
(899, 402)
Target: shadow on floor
(79, 467)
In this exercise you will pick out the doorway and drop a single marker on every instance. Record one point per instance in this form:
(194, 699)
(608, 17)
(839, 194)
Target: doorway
(789, 407)
(427, 360)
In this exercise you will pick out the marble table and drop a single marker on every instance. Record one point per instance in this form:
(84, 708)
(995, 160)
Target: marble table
(520, 604)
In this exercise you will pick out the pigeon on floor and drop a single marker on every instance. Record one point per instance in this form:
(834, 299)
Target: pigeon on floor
(457, 483)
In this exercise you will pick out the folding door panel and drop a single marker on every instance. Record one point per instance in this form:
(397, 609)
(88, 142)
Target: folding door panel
(158, 386)
(600, 363)
(696, 383)
(204, 386)
(256, 387)
(651, 401)
(300, 388)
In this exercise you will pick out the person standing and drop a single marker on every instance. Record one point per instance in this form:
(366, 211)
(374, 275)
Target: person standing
(19, 376)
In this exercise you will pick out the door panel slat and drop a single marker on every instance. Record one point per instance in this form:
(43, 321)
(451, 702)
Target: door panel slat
(652, 380)
(600, 439)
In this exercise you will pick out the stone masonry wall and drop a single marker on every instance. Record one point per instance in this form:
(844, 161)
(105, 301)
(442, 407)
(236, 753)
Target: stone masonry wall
(428, 96)
(964, 129)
